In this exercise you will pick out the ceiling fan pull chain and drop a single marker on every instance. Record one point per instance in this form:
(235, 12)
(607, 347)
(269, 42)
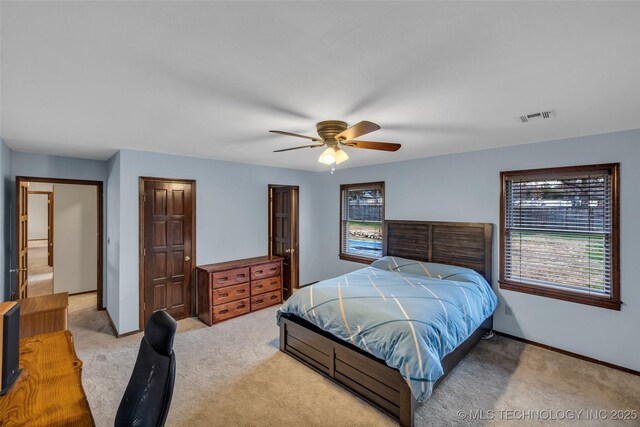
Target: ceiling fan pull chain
(333, 168)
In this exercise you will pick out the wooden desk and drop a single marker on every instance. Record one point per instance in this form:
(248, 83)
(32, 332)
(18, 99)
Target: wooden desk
(43, 314)
(49, 392)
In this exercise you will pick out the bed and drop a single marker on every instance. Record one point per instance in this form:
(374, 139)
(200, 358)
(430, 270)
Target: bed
(391, 332)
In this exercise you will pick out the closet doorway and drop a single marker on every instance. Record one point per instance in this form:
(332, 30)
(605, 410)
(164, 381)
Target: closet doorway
(167, 247)
(59, 237)
(283, 233)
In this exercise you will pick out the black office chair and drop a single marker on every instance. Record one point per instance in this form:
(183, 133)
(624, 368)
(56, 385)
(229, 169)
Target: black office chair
(148, 395)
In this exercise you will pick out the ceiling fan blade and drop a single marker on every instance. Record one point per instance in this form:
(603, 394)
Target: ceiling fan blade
(357, 130)
(372, 145)
(297, 148)
(295, 134)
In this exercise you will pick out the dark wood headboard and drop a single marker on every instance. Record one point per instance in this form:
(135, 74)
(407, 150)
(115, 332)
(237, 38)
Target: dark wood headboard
(465, 244)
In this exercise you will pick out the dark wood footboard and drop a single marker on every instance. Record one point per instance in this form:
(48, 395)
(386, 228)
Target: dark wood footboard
(359, 371)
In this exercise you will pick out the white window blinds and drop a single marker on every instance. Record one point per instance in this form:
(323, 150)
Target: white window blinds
(361, 219)
(558, 230)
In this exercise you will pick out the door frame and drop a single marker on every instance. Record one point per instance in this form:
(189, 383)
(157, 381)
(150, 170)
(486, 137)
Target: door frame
(100, 205)
(50, 229)
(295, 215)
(141, 195)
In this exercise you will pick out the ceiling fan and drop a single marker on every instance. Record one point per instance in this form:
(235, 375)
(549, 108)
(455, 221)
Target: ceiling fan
(335, 134)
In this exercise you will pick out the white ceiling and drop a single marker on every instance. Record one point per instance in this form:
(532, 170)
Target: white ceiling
(209, 79)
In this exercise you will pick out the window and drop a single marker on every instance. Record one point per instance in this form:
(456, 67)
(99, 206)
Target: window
(559, 233)
(361, 218)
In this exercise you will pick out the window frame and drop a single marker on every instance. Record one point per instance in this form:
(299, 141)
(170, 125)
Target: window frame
(613, 301)
(378, 185)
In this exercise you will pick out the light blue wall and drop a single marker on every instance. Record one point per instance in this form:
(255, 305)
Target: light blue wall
(466, 187)
(44, 166)
(112, 291)
(231, 222)
(231, 215)
(5, 219)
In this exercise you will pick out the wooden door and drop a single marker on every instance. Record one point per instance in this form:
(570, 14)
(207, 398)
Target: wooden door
(168, 209)
(50, 229)
(23, 238)
(283, 233)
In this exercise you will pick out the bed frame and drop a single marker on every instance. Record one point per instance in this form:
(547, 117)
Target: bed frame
(457, 243)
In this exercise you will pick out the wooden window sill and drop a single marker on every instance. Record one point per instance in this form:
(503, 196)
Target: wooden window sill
(355, 258)
(596, 301)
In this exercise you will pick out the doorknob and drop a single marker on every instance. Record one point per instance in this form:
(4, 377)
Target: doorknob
(187, 258)
(289, 251)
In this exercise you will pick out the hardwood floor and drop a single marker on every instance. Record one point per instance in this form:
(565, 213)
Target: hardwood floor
(39, 274)
(82, 302)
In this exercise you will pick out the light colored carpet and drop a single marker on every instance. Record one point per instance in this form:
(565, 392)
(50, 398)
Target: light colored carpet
(233, 374)
(39, 273)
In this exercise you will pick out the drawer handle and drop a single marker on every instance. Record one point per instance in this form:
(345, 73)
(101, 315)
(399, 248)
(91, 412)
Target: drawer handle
(241, 306)
(241, 291)
(223, 311)
(274, 297)
(240, 276)
(259, 287)
(223, 295)
(223, 279)
(259, 271)
(260, 301)
(274, 283)
(274, 269)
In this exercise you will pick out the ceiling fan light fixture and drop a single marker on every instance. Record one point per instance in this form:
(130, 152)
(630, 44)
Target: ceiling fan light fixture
(334, 133)
(328, 156)
(341, 156)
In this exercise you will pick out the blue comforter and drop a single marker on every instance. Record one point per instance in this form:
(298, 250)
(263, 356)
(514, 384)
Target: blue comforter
(408, 313)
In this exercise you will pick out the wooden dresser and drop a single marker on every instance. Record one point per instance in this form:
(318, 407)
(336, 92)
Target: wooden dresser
(233, 288)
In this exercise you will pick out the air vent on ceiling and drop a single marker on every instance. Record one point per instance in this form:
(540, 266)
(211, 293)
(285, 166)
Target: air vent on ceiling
(538, 116)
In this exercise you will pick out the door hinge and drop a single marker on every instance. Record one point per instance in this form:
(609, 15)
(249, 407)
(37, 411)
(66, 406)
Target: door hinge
(144, 197)
(144, 251)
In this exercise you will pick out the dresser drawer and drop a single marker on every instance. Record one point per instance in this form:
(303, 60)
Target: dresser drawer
(265, 285)
(265, 270)
(230, 309)
(229, 277)
(229, 293)
(265, 300)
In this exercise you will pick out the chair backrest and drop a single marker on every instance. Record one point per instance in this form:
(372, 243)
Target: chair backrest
(148, 395)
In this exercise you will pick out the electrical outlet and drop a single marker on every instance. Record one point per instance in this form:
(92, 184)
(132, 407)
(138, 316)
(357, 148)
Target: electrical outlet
(507, 310)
